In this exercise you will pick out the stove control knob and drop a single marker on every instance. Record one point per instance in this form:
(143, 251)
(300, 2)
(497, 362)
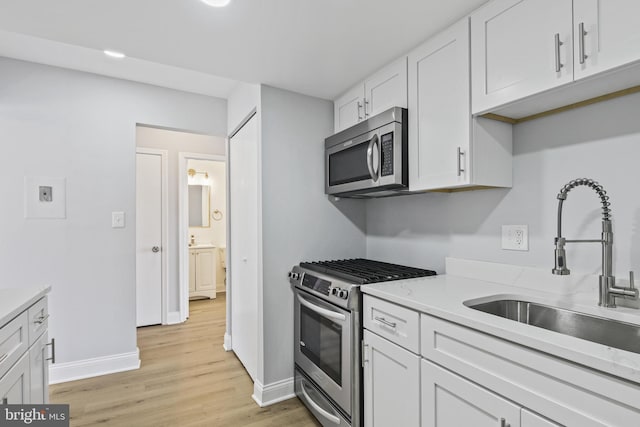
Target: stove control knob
(294, 276)
(343, 294)
(334, 291)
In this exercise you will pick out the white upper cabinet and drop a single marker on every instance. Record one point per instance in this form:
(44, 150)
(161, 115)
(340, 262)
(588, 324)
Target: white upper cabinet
(447, 147)
(607, 35)
(349, 108)
(385, 89)
(520, 48)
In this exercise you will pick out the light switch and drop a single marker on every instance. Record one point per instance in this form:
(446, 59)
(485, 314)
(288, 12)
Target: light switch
(117, 219)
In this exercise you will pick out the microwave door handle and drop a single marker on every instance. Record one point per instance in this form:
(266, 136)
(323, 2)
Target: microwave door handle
(322, 311)
(372, 171)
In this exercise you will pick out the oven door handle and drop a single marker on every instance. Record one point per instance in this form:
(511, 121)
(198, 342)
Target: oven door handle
(322, 311)
(373, 169)
(317, 407)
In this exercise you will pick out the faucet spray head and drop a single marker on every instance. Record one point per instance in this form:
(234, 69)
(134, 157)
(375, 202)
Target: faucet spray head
(561, 258)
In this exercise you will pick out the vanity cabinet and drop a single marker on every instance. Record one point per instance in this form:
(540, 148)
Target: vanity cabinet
(385, 89)
(525, 47)
(202, 273)
(24, 367)
(448, 148)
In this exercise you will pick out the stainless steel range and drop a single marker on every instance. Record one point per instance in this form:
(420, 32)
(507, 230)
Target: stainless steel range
(328, 333)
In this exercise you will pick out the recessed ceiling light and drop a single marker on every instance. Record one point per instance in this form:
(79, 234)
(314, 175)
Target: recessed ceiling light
(114, 54)
(216, 3)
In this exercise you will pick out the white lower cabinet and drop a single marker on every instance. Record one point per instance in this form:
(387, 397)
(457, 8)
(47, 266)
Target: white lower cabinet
(464, 377)
(449, 400)
(391, 384)
(24, 369)
(15, 385)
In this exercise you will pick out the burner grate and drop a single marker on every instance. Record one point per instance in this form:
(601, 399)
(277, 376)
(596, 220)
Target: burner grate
(364, 271)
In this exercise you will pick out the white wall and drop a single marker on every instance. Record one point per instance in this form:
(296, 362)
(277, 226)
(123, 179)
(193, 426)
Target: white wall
(175, 142)
(244, 98)
(601, 141)
(56, 122)
(299, 222)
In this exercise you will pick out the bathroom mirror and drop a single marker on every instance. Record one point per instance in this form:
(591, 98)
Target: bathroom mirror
(199, 196)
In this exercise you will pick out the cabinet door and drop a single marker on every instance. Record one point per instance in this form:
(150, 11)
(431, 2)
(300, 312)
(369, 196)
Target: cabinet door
(39, 371)
(611, 35)
(205, 270)
(449, 400)
(515, 52)
(15, 385)
(192, 271)
(349, 108)
(439, 116)
(386, 89)
(529, 419)
(391, 384)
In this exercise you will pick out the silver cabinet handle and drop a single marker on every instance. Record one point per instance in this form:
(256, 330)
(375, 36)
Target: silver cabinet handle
(581, 48)
(40, 320)
(155, 249)
(558, 43)
(322, 311)
(53, 350)
(318, 408)
(366, 103)
(503, 423)
(460, 154)
(4, 356)
(372, 170)
(359, 108)
(386, 322)
(364, 359)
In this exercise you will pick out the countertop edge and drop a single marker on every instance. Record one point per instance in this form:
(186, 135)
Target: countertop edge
(27, 301)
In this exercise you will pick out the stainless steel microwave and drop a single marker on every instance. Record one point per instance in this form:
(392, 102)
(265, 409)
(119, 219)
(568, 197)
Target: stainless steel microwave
(369, 159)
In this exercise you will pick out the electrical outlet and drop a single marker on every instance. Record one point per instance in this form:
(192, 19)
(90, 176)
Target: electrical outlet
(515, 237)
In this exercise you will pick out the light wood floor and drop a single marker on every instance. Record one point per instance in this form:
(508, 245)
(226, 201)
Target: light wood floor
(186, 379)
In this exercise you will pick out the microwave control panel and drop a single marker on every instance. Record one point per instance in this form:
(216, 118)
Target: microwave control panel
(386, 151)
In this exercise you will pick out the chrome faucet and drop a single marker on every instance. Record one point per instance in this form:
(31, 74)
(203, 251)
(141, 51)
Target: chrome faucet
(608, 289)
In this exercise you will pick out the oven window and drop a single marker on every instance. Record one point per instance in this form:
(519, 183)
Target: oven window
(349, 165)
(321, 343)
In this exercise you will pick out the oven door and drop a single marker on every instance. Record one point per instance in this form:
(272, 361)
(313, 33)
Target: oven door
(366, 163)
(323, 346)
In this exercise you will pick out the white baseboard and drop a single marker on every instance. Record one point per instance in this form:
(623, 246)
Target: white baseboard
(173, 318)
(87, 368)
(266, 395)
(227, 342)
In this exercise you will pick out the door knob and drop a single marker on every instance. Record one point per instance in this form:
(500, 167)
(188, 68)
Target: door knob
(155, 249)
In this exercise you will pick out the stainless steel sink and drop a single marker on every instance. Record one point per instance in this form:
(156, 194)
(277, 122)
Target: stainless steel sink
(612, 333)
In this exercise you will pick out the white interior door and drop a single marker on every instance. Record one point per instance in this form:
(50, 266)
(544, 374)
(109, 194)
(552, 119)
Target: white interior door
(243, 184)
(148, 239)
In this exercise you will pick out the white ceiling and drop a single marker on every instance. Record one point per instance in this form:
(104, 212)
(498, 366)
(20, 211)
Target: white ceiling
(315, 47)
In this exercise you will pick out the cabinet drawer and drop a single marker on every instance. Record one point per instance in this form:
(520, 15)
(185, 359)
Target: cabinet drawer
(38, 319)
(397, 324)
(14, 342)
(568, 393)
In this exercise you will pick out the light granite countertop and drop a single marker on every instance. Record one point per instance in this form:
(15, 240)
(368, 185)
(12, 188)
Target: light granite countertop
(15, 301)
(444, 296)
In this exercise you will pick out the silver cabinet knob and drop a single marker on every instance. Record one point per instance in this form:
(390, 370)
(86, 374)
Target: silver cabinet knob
(155, 249)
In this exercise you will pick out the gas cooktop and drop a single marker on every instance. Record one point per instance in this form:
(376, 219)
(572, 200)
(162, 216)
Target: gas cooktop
(364, 271)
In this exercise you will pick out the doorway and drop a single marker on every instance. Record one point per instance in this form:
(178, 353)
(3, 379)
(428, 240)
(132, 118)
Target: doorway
(203, 227)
